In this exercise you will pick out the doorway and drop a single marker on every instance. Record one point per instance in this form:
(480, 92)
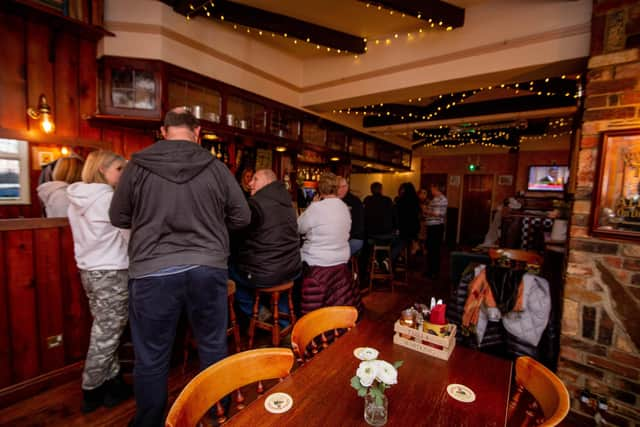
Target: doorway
(476, 208)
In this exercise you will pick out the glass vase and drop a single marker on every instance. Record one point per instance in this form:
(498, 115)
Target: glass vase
(374, 414)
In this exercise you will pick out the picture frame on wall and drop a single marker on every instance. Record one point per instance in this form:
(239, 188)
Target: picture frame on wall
(454, 180)
(505, 180)
(616, 195)
(45, 157)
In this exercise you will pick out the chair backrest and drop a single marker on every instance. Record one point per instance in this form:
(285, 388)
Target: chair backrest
(316, 323)
(550, 393)
(518, 255)
(221, 378)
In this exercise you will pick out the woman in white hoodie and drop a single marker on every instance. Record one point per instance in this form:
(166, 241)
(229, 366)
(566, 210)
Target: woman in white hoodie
(101, 255)
(53, 194)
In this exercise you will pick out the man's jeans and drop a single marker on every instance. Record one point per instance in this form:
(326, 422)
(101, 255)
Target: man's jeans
(155, 304)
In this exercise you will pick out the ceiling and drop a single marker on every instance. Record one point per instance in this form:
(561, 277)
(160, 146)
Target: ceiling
(529, 103)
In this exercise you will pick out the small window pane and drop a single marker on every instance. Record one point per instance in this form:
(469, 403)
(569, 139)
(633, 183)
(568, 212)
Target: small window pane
(8, 146)
(9, 179)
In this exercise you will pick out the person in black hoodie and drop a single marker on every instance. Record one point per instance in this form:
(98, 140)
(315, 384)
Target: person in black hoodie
(356, 235)
(269, 248)
(408, 212)
(178, 201)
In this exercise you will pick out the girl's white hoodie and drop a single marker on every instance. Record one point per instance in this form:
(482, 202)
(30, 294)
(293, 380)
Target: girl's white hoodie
(97, 244)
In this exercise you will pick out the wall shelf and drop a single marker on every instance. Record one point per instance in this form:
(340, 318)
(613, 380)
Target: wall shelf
(101, 120)
(48, 15)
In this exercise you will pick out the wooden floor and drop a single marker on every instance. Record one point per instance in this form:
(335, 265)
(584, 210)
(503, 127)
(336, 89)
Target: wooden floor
(61, 406)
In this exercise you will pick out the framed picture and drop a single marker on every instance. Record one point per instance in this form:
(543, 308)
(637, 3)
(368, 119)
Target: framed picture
(454, 180)
(505, 179)
(616, 195)
(45, 157)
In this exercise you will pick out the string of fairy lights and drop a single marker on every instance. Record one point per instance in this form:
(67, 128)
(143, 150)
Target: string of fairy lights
(207, 9)
(445, 137)
(445, 102)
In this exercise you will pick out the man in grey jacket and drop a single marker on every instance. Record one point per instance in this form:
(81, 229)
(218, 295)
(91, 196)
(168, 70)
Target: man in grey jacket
(178, 201)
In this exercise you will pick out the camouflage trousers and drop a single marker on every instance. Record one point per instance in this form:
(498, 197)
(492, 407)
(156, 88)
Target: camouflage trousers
(108, 296)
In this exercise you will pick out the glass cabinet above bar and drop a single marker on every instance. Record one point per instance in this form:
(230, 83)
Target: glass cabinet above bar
(203, 102)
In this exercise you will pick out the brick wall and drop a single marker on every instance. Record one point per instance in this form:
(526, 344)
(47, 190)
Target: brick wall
(600, 340)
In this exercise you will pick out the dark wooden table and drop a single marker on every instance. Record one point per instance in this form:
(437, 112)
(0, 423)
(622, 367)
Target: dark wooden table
(322, 394)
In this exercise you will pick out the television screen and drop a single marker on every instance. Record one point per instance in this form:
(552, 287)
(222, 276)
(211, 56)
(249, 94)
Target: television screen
(547, 178)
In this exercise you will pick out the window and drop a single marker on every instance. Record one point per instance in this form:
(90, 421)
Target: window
(14, 172)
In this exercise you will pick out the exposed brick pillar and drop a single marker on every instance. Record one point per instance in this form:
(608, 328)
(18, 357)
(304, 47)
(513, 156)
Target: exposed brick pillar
(601, 319)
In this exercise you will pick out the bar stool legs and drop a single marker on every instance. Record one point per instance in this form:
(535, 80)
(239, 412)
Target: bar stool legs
(401, 268)
(274, 327)
(376, 271)
(355, 271)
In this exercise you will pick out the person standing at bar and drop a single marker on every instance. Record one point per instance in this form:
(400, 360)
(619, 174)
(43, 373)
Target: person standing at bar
(100, 251)
(179, 202)
(436, 214)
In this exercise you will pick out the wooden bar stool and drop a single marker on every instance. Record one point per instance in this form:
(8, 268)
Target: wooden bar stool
(274, 328)
(232, 330)
(376, 271)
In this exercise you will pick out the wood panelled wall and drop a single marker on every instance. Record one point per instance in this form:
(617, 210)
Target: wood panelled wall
(40, 291)
(42, 296)
(39, 59)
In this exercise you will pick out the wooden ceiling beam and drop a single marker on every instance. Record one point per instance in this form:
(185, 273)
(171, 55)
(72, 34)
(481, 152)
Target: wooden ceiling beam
(435, 11)
(270, 22)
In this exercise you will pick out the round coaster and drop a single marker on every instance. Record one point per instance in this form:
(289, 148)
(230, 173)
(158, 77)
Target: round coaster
(277, 403)
(461, 393)
(365, 353)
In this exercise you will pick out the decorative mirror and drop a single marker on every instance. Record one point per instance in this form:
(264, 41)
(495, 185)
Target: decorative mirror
(616, 206)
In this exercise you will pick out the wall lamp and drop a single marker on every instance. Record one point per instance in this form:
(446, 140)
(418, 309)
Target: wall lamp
(42, 113)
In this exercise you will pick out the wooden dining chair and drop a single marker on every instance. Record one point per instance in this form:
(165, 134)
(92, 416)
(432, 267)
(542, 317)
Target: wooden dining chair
(317, 323)
(520, 255)
(547, 390)
(221, 378)
(517, 258)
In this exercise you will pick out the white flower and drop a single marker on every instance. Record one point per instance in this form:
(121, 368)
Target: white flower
(385, 372)
(367, 372)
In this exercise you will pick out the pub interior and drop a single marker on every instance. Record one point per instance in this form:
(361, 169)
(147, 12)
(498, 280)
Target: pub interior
(524, 115)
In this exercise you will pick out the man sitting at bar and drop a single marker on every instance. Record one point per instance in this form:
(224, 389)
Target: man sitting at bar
(268, 252)
(380, 223)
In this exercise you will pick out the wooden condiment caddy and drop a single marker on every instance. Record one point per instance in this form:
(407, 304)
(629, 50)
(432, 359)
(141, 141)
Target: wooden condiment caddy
(440, 347)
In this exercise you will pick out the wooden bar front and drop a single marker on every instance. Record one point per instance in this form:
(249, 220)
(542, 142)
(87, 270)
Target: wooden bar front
(44, 326)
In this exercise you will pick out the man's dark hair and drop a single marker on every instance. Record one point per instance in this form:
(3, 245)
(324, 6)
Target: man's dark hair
(376, 188)
(182, 118)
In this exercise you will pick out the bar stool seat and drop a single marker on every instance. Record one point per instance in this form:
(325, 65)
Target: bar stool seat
(375, 271)
(277, 332)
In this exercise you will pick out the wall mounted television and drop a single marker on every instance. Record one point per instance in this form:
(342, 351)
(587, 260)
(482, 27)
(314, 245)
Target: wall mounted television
(547, 178)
